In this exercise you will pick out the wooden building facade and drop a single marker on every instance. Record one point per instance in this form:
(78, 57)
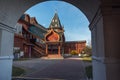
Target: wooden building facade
(54, 38)
(76, 46)
(35, 40)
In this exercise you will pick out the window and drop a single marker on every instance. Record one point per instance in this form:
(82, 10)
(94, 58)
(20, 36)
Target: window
(55, 20)
(55, 25)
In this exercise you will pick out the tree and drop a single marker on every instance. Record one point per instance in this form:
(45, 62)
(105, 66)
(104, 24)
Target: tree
(74, 52)
(88, 50)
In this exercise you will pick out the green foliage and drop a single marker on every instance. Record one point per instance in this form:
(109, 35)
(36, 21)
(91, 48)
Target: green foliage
(17, 71)
(87, 50)
(86, 59)
(89, 72)
(74, 52)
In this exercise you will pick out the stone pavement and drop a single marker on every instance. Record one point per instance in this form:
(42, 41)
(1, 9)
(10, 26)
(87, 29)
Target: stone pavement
(52, 69)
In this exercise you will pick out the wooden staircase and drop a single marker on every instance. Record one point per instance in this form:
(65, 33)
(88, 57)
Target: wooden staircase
(38, 50)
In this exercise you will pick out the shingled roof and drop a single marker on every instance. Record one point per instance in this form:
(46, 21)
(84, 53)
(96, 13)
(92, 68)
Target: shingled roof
(34, 28)
(37, 31)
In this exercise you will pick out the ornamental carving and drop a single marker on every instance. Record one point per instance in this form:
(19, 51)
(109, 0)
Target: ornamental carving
(52, 36)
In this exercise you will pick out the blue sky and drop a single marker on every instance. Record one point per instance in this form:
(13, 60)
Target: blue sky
(74, 21)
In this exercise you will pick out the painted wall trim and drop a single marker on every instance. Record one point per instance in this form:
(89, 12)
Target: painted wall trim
(7, 28)
(6, 57)
(106, 60)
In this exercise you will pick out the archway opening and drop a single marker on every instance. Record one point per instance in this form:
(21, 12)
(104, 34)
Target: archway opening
(70, 19)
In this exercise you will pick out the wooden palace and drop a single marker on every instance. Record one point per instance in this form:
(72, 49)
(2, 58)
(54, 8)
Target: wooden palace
(34, 40)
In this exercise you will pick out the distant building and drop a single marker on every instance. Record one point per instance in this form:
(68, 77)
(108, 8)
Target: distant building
(34, 40)
(77, 46)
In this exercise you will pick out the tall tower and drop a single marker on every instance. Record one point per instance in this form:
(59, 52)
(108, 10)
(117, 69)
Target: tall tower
(54, 37)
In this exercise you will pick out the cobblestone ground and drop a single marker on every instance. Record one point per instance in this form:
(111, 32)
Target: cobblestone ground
(47, 69)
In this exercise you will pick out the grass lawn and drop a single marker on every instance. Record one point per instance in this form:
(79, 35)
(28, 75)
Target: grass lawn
(89, 72)
(22, 59)
(88, 68)
(87, 59)
(16, 71)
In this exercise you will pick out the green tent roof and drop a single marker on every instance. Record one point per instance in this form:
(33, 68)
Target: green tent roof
(37, 31)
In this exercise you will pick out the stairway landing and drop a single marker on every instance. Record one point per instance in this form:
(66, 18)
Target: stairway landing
(53, 56)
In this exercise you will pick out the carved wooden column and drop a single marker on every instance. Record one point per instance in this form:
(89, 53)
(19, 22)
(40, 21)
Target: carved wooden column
(30, 51)
(59, 49)
(46, 49)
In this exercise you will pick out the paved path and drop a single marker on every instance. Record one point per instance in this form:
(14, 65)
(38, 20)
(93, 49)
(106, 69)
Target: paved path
(63, 69)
